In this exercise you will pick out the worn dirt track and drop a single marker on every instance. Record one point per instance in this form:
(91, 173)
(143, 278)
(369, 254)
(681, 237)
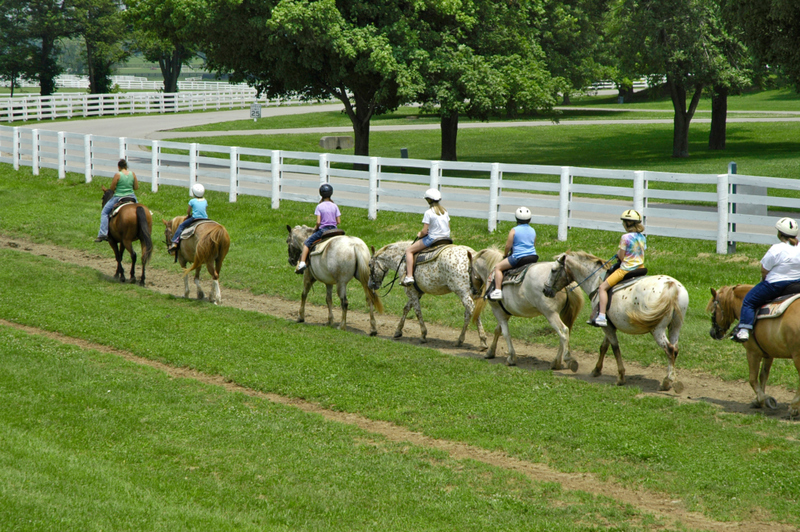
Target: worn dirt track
(729, 396)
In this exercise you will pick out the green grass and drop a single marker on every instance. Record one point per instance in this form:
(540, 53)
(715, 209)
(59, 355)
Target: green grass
(199, 454)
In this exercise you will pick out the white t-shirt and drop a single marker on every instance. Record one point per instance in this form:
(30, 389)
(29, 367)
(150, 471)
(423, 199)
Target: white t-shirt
(783, 262)
(438, 224)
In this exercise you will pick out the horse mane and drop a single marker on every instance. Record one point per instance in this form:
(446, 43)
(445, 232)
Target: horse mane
(582, 255)
(493, 256)
(730, 299)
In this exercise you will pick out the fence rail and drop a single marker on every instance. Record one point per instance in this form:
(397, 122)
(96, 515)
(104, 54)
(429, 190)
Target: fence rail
(725, 208)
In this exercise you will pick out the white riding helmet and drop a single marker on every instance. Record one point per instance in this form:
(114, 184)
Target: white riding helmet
(787, 226)
(198, 190)
(523, 214)
(631, 216)
(433, 195)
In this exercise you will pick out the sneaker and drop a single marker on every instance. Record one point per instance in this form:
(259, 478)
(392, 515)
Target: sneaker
(601, 321)
(741, 336)
(496, 294)
(301, 267)
(101, 238)
(407, 281)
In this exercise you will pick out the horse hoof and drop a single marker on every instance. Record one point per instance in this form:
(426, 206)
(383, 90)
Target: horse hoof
(756, 404)
(510, 362)
(595, 372)
(373, 333)
(459, 343)
(484, 347)
(489, 355)
(771, 403)
(573, 366)
(678, 387)
(398, 334)
(301, 320)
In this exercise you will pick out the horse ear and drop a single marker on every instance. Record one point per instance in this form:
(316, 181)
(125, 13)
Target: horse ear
(713, 293)
(165, 221)
(289, 228)
(372, 248)
(562, 259)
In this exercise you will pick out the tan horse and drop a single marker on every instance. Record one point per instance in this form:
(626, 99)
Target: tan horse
(771, 338)
(208, 245)
(527, 300)
(656, 304)
(344, 258)
(448, 273)
(133, 222)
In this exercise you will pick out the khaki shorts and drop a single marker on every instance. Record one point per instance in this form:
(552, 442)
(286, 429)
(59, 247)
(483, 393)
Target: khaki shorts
(617, 276)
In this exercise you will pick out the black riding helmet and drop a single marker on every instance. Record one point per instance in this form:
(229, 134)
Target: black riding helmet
(326, 191)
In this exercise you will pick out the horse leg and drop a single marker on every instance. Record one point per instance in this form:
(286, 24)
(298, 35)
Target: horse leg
(118, 250)
(308, 281)
(502, 324)
(342, 289)
(598, 368)
(563, 355)
(493, 348)
(659, 335)
(469, 307)
(766, 365)
(329, 301)
(674, 334)
(373, 326)
(399, 331)
(216, 298)
(754, 364)
(794, 406)
(200, 294)
(418, 309)
(129, 247)
(186, 286)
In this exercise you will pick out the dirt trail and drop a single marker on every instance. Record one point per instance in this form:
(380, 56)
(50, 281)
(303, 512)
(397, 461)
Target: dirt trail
(732, 397)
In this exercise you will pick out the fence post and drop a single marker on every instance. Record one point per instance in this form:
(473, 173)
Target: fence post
(154, 166)
(192, 165)
(722, 213)
(62, 149)
(733, 190)
(87, 158)
(35, 151)
(494, 194)
(275, 171)
(234, 189)
(436, 173)
(638, 193)
(564, 199)
(372, 207)
(15, 147)
(324, 166)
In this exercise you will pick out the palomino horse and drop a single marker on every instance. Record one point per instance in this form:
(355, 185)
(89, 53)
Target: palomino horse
(526, 299)
(655, 304)
(343, 258)
(133, 222)
(209, 244)
(772, 338)
(449, 272)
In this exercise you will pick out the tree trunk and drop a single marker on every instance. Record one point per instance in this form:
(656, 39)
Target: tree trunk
(449, 127)
(719, 118)
(48, 67)
(683, 116)
(566, 98)
(171, 68)
(360, 116)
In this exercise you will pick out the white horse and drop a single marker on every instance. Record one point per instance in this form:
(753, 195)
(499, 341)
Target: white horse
(449, 272)
(527, 300)
(655, 304)
(344, 258)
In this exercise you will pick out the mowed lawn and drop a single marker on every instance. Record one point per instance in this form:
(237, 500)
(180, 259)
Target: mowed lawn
(90, 441)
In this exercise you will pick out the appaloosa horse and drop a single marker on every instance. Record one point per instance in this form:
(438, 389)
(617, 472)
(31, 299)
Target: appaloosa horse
(775, 337)
(131, 222)
(447, 272)
(655, 304)
(525, 299)
(209, 245)
(341, 259)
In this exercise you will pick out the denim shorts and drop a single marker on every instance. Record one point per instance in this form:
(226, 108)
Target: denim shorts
(521, 261)
(427, 241)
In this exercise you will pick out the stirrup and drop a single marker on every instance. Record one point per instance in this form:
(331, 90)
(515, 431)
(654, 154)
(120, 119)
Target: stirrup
(407, 281)
(741, 335)
(496, 294)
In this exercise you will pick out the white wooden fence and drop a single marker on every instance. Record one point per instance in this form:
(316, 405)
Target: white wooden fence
(568, 197)
(74, 105)
(67, 81)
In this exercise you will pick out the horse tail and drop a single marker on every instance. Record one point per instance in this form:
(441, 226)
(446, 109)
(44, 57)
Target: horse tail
(362, 273)
(572, 307)
(214, 243)
(667, 304)
(143, 232)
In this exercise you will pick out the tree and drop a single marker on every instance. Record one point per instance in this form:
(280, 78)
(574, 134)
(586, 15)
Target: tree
(360, 52)
(678, 39)
(102, 27)
(164, 31)
(16, 50)
(47, 22)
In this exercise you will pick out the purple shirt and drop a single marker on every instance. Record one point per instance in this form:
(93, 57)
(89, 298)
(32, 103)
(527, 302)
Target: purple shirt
(327, 212)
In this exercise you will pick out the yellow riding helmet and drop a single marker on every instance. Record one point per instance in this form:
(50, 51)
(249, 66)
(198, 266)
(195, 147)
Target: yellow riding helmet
(631, 216)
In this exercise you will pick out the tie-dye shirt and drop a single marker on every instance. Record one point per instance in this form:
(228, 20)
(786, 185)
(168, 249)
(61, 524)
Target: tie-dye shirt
(633, 244)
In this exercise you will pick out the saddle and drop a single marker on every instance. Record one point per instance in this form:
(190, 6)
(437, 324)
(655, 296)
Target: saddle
(514, 275)
(630, 278)
(189, 231)
(431, 252)
(330, 233)
(124, 200)
(778, 306)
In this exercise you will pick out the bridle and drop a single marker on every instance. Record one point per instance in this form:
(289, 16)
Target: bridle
(563, 267)
(379, 266)
(718, 330)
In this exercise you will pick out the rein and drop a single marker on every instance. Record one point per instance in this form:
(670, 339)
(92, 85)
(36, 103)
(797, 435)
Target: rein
(601, 267)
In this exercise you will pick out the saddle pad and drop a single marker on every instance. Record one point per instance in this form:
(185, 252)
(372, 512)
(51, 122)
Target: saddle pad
(321, 245)
(775, 308)
(330, 233)
(120, 204)
(516, 275)
(429, 254)
(616, 288)
(189, 231)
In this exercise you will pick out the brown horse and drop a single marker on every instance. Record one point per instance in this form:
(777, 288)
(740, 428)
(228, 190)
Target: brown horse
(208, 245)
(133, 222)
(771, 338)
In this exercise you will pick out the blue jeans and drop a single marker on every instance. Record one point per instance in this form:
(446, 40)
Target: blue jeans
(106, 212)
(184, 224)
(759, 295)
(317, 234)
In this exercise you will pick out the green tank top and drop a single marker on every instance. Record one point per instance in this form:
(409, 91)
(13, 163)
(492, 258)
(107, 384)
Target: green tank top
(124, 185)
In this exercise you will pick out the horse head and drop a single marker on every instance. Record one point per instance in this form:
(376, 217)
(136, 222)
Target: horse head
(559, 277)
(295, 240)
(107, 194)
(377, 269)
(721, 316)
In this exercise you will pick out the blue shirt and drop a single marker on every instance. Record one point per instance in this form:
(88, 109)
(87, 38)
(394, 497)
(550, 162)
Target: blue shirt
(524, 241)
(198, 206)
